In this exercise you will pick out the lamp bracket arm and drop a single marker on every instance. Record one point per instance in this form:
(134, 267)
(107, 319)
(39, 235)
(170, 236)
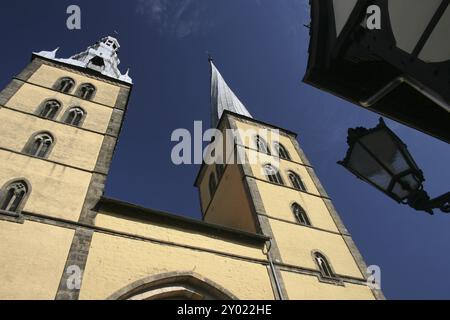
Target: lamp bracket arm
(442, 202)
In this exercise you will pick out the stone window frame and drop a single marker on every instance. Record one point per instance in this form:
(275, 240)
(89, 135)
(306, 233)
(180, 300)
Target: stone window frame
(158, 286)
(41, 107)
(212, 184)
(296, 181)
(67, 113)
(26, 150)
(277, 146)
(58, 83)
(220, 169)
(273, 174)
(334, 278)
(261, 144)
(80, 88)
(15, 216)
(306, 216)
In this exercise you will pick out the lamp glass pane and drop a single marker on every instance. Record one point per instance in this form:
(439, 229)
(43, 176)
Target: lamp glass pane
(402, 12)
(386, 149)
(342, 11)
(366, 166)
(437, 47)
(399, 192)
(409, 183)
(412, 181)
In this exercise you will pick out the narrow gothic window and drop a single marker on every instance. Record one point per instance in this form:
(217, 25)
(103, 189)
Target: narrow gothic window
(220, 168)
(300, 215)
(281, 151)
(296, 181)
(40, 145)
(324, 265)
(273, 174)
(50, 109)
(212, 184)
(13, 196)
(65, 85)
(261, 145)
(75, 116)
(86, 91)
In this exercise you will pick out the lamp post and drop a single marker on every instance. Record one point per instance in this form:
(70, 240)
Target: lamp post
(380, 158)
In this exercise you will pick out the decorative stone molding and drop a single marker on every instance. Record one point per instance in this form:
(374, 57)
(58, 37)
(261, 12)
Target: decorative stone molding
(173, 283)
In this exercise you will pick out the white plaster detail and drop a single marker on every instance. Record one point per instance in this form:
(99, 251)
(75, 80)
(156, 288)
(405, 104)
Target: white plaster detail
(101, 57)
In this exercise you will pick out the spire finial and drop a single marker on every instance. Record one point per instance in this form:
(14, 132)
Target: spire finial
(210, 57)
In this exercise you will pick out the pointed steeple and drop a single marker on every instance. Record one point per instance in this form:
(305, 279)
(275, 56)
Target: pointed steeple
(101, 57)
(223, 98)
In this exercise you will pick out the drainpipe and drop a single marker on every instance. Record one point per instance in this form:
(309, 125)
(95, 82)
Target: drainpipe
(272, 269)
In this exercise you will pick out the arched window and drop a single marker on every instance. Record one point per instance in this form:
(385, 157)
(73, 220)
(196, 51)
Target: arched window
(281, 151)
(296, 181)
(65, 85)
(40, 145)
(273, 174)
(97, 62)
(86, 91)
(220, 168)
(49, 109)
(324, 265)
(212, 184)
(300, 214)
(75, 116)
(261, 145)
(13, 196)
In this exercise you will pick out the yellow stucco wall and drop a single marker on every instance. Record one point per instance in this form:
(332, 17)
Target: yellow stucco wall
(230, 206)
(205, 194)
(177, 236)
(32, 259)
(278, 201)
(72, 146)
(47, 76)
(30, 97)
(306, 287)
(296, 244)
(247, 130)
(32, 255)
(285, 167)
(57, 191)
(207, 169)
(116, 262)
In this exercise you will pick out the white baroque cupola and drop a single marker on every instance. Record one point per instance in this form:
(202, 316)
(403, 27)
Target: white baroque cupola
(101, 57)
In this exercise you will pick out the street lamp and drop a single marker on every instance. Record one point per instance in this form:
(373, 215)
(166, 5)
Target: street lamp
(380, 158)
(399, 68)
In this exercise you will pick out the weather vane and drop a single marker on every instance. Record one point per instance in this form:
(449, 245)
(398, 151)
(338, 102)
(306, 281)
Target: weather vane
(210, 58)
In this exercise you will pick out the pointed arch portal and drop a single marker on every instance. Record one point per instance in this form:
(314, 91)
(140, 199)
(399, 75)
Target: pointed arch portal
(173, 286)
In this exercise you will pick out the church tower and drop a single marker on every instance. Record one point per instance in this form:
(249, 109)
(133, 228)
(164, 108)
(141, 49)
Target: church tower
(267, 221)
(61, 120)
(268, 186)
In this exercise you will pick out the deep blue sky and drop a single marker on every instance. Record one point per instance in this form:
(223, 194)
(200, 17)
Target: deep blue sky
(260, 47)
